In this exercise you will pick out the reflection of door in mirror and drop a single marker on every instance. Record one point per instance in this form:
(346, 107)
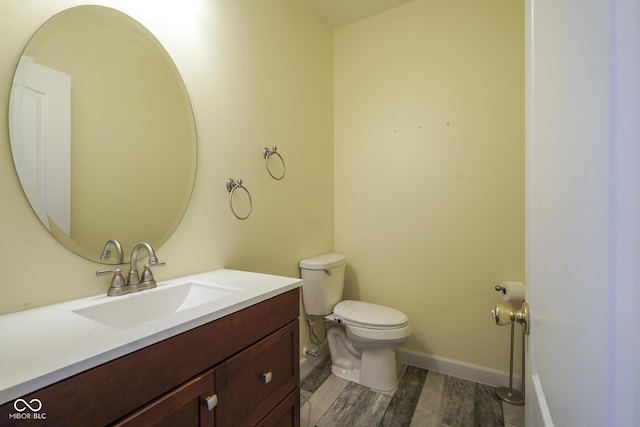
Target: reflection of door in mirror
(128, 166)
(40, 118)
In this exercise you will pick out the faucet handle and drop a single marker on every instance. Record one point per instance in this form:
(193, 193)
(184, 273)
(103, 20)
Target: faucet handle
(117, 272)
(147, 276)
(147, 268)
(117, 282)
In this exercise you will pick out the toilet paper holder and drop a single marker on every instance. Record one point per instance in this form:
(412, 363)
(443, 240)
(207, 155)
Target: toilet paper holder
(505, 315)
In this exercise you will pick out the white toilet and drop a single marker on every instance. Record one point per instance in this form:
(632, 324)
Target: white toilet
(363, 337)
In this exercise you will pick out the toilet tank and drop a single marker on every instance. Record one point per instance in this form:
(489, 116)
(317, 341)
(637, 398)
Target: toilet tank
(323, 281)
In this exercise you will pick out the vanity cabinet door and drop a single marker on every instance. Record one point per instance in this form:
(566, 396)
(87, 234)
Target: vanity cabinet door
(256, 380)
(286, 414)
(184, 406)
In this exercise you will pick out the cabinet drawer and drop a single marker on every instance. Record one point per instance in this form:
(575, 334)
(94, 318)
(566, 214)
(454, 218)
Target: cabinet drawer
(184, 406)
(255, 380)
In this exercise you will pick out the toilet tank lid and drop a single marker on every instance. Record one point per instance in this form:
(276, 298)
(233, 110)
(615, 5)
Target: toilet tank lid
(323, 261)
(366, 313)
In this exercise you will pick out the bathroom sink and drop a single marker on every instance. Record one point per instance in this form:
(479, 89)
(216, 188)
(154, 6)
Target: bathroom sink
(130, 310)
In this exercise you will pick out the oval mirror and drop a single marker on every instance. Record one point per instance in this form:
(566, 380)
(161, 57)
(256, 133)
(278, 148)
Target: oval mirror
(102, 132)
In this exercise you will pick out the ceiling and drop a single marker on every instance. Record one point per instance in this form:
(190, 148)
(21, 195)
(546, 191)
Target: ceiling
(342, 12)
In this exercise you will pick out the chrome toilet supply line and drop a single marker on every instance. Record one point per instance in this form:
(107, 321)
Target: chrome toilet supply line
(232, 186)
(312, 334)
(266, 153)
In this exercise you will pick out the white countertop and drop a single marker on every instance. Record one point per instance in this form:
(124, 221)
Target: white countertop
(41, 346)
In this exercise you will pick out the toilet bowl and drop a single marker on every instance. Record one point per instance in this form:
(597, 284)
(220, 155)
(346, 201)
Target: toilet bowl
(363, 337)
(363, 340)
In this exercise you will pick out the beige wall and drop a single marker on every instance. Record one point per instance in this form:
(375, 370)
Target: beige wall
(429, 167)
(258, 74)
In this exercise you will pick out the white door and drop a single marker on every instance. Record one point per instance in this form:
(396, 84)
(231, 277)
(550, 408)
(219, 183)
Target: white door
(583, 212)
(40, 131)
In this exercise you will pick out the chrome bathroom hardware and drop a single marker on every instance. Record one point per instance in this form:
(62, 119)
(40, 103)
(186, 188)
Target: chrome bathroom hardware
(312, 334)
(147, 281)
(268, 153)
(121, 285)
(504, 315)
(267, 377)
(118, 282)
(211, 401)
(232, 186)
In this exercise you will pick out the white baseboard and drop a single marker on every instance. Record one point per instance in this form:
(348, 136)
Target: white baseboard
(458, 369)
(307, 363)
(452, 367)
(539, 414)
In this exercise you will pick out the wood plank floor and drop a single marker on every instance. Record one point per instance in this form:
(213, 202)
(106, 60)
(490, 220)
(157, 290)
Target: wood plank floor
(422, 399)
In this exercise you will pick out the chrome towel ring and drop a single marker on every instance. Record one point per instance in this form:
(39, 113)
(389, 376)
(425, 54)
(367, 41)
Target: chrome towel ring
(268, 153)
(232, 186)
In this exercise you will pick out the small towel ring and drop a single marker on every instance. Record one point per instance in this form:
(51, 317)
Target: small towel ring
(267, 153)
(233, 186)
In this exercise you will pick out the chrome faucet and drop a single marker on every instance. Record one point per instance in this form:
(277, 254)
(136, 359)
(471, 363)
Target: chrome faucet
(147, 281)
(121, 286)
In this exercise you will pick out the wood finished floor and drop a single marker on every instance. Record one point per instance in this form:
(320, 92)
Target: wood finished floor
(422, 399)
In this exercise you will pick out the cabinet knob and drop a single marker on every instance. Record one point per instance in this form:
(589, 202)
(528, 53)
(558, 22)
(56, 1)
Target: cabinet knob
(212, 401)
(266, 377)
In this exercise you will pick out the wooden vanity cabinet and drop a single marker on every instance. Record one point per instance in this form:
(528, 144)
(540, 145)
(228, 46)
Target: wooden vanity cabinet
(245, 363)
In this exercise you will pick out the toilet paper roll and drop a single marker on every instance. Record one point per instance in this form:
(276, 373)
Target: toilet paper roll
(512, 292)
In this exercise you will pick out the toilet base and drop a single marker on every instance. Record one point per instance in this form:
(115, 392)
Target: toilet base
(372, 367)
(378, 369)
(379, 373)
(351, 375)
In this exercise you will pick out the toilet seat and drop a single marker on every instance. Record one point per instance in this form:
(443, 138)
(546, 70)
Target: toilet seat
(367, 315)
